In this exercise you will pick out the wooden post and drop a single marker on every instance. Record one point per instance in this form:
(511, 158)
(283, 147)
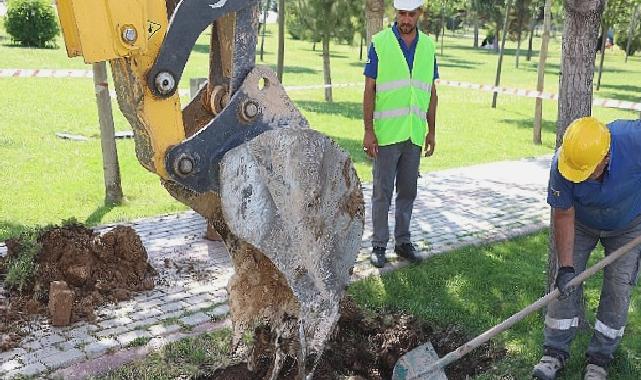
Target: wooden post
(543, 55)
(113, 187)
(281, 40)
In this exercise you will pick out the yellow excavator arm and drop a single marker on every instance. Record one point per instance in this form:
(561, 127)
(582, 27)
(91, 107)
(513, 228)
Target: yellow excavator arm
(134, 30)
(285, 199)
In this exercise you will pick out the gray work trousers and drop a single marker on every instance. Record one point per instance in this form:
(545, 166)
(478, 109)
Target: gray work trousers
(398, 162)
(619, 278)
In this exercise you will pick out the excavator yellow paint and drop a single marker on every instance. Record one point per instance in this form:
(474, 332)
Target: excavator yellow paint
(96, 30)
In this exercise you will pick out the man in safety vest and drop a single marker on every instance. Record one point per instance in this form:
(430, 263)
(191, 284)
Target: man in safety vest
(398, 101)
(595, 194)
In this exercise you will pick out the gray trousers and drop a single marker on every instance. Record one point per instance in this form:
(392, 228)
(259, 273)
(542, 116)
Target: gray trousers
(619, 278)
(398, 162)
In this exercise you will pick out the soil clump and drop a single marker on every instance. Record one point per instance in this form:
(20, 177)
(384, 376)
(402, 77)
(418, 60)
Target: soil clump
(365, 346)
(97, 269)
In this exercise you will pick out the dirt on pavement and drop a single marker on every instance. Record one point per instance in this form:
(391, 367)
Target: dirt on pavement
(367, 347)
(98, 269)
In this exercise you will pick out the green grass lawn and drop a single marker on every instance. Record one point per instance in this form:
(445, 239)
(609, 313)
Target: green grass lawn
(473, 288)
(46, 179)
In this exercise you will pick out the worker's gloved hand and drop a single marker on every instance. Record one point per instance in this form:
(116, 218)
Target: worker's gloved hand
(563, 277)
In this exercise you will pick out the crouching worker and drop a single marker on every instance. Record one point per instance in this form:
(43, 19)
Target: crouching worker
(595, 194)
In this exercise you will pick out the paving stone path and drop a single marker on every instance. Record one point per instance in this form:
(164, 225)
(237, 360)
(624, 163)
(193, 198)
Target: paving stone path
(458, 207)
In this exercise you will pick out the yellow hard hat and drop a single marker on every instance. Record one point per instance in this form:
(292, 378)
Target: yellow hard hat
(585, 144)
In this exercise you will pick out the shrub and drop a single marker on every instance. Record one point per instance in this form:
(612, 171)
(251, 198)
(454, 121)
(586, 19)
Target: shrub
(621, 39)
(31, 22)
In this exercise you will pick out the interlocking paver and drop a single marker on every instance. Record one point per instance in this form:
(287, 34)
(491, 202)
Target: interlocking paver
(146, 313)
(99, 347)
(220, 311)
(62, 359)
(129, 337)
(157, 330)
(28, 370)
(195, 319)
(169, 307)
(10, 365)
(454, 208)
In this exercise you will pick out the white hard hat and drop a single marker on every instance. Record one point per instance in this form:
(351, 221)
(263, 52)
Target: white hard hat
(407, 5)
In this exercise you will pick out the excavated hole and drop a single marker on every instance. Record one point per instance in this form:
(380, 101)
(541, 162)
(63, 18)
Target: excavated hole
(367, 346)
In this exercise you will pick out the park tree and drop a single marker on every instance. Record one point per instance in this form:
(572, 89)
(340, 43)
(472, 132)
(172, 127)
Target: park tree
(632, 26)
(432, 20)
(580, 35)
(536, 12)
(520, 20)
(325, 20)
(616, 13)
(442, 14)
(483, 11)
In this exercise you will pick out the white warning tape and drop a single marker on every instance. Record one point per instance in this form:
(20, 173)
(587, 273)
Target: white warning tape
(45, 73)
(610, 103)
(78, 73)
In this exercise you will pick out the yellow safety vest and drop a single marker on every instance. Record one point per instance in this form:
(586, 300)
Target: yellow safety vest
(402, 98)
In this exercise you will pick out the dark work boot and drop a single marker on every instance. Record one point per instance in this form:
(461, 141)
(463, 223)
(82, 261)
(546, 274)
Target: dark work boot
(407, 251)
(377, 257)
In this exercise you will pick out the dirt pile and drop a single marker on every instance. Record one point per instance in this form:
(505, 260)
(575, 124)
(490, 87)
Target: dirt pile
(367, 346)
(97, 268)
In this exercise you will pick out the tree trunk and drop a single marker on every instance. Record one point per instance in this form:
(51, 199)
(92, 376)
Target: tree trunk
(442, 27)
(604, 33)
(281, 40)
(518, 48)
(498, 66)
(360, 54)
(582, 21)
(374, 12)
(529, 42)
(498, 36)
(264, 29)
(110, 166)
(633, 21)
(476, 31)
(327, 69)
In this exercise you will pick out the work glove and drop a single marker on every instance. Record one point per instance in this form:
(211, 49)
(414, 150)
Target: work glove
(563, 277)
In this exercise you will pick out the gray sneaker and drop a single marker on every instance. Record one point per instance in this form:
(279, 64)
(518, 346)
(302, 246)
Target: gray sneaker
(547, 368)
(594, 372)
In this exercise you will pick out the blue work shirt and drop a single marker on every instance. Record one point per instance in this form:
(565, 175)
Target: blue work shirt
(615, 201)
(371, 67)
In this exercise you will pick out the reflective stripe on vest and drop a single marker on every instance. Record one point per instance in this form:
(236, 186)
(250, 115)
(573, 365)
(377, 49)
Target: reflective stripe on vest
(404, 83)
(400, 112)
(402, 98)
